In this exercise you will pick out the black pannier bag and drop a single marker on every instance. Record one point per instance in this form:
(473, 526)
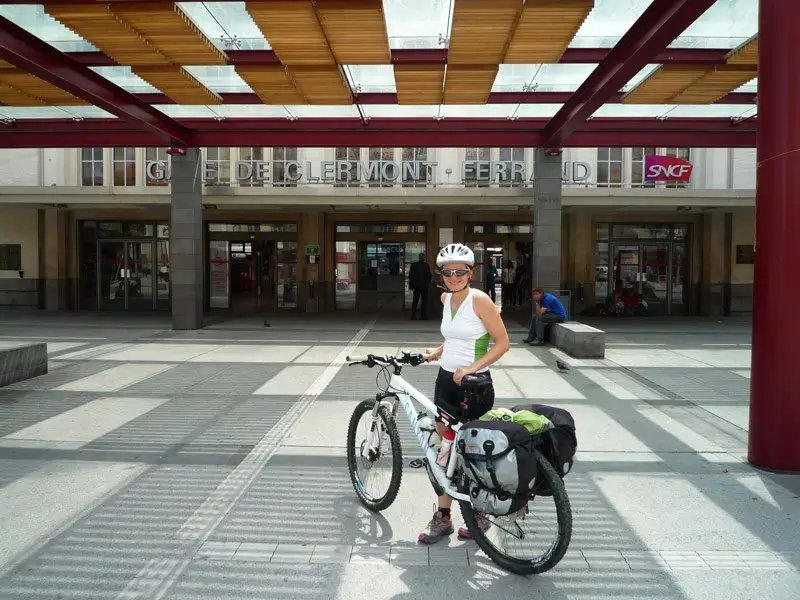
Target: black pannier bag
(560, 443)
(500, 465)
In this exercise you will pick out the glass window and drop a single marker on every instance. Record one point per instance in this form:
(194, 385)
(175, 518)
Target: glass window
(382, 168)
(346, 275)
(637, 167)
(162, 230)
(476, 174)
(91, 166)
(500, 228)
(349, 177)
(124, 166)
(601, 273)
(246, 169)
(108, 229)
(10, 257)
(253, 227)
(132, 229)
(511, 177)
(381, 228)
(287, 274)
(284, 167)
(601, 231)
(415, 173)
(641, 231)
(609, 167)
(156, 166)
(219, 166)
(681, 232)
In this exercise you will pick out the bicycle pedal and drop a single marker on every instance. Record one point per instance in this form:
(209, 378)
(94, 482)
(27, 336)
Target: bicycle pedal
(416, 463)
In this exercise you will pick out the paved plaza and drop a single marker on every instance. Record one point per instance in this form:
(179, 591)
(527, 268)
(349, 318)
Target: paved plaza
(150, 463)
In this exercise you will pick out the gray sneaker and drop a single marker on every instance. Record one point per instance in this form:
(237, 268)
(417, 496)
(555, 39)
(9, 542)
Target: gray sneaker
(483, 525)
(438, 527)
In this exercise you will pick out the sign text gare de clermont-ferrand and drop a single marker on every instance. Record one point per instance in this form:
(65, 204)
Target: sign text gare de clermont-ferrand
(339, 171)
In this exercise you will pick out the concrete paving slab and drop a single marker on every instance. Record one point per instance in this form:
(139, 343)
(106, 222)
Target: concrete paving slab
(38, 504)
(292, 381)
(543, 384)
(88, 422)
(229, 353)
(116, 378)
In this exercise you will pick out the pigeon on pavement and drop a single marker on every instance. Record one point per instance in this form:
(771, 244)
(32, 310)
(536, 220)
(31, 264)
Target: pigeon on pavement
(562, 366)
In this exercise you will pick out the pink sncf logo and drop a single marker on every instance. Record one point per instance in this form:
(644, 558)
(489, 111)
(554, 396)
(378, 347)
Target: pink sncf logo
(666, 168)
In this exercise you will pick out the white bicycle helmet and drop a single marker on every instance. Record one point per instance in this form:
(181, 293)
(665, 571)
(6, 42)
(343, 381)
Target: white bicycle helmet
(455, 253)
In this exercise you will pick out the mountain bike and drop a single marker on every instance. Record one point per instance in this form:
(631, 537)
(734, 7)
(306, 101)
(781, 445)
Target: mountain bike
(381, 432)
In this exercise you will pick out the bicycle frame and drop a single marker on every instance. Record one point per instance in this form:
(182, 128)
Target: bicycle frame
(403, 392)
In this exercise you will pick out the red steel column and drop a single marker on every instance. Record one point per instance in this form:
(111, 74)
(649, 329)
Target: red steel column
(774, 441)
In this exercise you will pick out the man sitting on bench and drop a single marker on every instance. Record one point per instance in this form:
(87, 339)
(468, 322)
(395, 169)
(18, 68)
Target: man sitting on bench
(548, 310)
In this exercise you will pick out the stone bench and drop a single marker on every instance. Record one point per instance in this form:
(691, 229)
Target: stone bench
(22, 361)
(578, 340)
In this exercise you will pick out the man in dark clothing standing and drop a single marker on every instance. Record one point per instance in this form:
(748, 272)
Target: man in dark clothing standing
(419, 280)
(548, 310)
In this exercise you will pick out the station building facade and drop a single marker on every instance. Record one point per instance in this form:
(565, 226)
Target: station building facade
(336, 229)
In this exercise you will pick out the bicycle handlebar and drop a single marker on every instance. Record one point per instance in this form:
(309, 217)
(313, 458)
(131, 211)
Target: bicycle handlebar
(406, 358)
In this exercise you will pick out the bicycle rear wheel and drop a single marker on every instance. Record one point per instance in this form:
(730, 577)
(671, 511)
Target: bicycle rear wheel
(365, 470)
(512, 541)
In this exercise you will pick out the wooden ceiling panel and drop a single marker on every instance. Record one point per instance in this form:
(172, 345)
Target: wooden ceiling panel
(272, 84)
(468, 84)
(419, 84)
(663, 84)
(98, 25)
(321, 85)
(10, 96)
(38, 88)
(746, 54)
(719, 81)
(545, 29)
(171, 31)
(293, 31)
(481, 30)
(178, 84)
(356, 31)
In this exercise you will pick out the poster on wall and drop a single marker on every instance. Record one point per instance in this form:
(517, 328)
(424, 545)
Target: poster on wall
(218, 274)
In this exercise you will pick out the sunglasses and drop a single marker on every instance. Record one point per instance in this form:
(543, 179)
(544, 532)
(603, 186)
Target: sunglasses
(454, 272)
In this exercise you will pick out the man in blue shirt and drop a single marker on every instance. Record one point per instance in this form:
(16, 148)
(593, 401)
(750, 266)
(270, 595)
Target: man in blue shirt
(548, 310)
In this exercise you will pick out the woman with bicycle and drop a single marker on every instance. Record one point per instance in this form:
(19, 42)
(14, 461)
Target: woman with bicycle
(470, 320)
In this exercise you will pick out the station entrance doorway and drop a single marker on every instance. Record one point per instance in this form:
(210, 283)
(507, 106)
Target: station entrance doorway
(499, 247)
(251, 272)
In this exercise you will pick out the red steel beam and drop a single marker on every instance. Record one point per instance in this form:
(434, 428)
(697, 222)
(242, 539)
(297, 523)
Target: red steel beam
(438, 56)
(27, 52)
(404, 132)
(659, 25)
(368, 98)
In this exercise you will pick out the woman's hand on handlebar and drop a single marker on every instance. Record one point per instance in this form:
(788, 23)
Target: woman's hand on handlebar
(433, 354)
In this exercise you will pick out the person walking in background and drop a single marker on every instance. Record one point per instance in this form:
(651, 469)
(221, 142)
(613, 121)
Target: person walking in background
(419, 281)
(491, 281)
(509, 288)
(548, 310)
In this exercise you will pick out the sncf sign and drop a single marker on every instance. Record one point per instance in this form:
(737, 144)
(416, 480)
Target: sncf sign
(666, 168)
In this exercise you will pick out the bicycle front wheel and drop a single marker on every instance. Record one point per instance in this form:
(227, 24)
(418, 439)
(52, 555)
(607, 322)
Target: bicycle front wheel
(369, 470)
(534, 539)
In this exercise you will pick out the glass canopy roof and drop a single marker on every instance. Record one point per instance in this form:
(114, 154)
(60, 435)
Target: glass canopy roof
(411, 24)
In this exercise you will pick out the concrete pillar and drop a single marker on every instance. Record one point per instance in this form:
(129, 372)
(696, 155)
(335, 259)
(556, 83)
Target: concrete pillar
(546, 257)
(580, 253)
(716, 257)
(186, 240)
(53, 252)
(775, 387)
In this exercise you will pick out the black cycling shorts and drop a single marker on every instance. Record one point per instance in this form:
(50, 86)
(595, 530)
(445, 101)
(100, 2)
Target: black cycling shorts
(451, 397)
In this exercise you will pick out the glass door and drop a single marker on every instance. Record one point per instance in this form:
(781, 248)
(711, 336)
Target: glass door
(127, 271)
(412, 252)
(140, 272)
(112, 278)
(654, 279)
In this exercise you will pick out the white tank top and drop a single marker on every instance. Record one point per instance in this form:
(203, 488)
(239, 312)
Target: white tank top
(465, 336)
